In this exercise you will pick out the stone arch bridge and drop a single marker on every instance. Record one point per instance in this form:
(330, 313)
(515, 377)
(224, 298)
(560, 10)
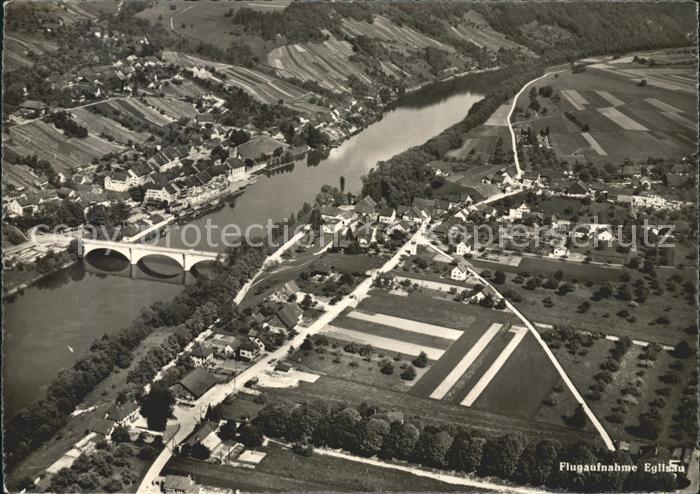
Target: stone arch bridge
(186, 258)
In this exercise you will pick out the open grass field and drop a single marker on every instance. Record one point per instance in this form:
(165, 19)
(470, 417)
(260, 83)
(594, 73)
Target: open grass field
(47, 142)
(626, 121)
(425, 410)
(282, 470)
(427, 309)
(483, 138)
(351, 264)
(526, 373)
(99, 124)
(582, 368)
(261, 86)
(209, 25)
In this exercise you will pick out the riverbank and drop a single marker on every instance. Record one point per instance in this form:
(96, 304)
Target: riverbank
(19, 280)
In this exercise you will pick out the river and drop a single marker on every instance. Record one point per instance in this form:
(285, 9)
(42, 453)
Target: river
(48, 326)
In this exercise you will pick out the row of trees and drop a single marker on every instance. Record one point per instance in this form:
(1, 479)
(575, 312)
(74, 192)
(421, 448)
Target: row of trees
(369, 431)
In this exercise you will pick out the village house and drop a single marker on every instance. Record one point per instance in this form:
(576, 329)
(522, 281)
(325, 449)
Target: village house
(366, 208)
(202, 356)
(103, 427)
(519, 212)
(123, 414)
(288, 316)
(248, 350)
(386, 215)
(365, 235)
(179, 484)
(237, 169)
(224, 344)
(332, 227)
(462, 249)
(410, 213)
(191, 387)
(32, 109)
(459, 272)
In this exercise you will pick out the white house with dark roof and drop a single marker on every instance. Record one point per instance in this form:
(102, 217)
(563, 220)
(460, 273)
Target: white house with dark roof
(459, 272)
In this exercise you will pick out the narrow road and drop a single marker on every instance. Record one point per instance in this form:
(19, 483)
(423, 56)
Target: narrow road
(188, 418)
(569, 383)
(514, 141)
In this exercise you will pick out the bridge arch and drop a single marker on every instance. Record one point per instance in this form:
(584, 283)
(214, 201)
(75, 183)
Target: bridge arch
(192, 260)
(138, 255)
(124, 251)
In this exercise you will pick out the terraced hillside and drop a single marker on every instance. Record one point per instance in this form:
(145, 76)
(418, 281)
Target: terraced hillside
(474, 29)
(263, 87)
(19, 49)
(327, 63)
(48, 143)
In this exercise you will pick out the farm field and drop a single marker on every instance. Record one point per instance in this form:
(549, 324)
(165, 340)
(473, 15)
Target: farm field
(327, 63)
(282, 470)
(425, 410)
(466, 364)
(527, 372)
(18, 46)
(99, 124)
(626, 121)
(141, 111)
(185, 89)
(483, 138)
(398, 36)
(47, 142)
(174, 108)
(582, 369)
(263, 87)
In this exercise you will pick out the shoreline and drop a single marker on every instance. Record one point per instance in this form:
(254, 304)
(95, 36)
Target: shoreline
(28, 284)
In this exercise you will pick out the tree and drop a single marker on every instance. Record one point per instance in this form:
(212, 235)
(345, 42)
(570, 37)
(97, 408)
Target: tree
(409, 374)
(374, 431)
(499, 277)
(683, 349)
(342, 184)
(386, 366)
(579, 418)
(88, 481)
(500, 455)
(315, 220)
(274, 420)
(343, 433)
(157, 406)
(199, 451)
(251, 436)
(465, 452)
(421, 360)
(227, 432)
(401, 441)
(432, 447)
(121, 434)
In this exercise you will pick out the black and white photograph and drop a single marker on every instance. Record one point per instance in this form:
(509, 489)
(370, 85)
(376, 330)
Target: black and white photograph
(410, 246)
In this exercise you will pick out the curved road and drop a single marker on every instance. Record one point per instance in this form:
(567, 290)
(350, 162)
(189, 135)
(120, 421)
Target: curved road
(514, 142)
